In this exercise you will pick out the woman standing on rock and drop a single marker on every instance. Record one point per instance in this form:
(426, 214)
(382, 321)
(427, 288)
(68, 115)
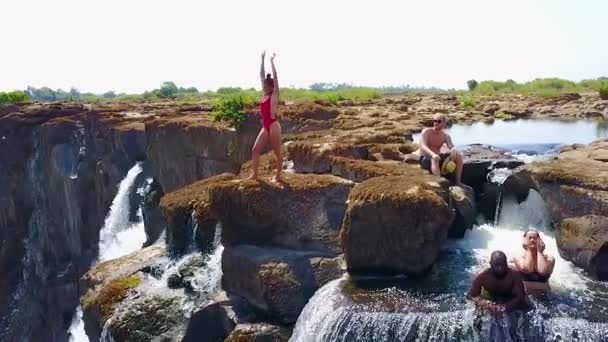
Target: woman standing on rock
(271, 129)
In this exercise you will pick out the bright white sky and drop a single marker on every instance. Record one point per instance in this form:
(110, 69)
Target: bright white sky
(134, 45)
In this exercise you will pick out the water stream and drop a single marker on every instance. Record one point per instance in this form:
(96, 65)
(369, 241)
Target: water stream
(434, 307)
(528, 140)
(118, 236)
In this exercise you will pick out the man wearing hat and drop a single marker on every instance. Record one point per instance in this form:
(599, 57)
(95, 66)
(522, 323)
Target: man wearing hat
(447, 164)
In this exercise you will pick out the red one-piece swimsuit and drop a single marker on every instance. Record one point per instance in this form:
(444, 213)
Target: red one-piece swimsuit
(265, 108)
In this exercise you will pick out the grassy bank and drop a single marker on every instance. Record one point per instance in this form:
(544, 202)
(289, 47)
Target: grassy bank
(546, 87)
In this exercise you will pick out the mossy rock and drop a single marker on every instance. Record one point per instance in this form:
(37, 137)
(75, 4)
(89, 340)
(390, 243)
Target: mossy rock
(111, 295)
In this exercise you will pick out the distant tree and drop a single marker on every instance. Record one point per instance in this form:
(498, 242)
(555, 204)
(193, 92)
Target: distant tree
(74, 94)
(168, 89)
(229, 90)
(109, 94)
(191, 90)
(472, 84)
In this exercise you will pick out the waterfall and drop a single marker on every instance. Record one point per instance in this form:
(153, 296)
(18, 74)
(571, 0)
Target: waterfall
(434, 307)
(117, 237)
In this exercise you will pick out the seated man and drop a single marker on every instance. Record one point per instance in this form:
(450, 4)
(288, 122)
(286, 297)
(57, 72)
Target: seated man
(431, 158)
(499, 288)
(535, 266)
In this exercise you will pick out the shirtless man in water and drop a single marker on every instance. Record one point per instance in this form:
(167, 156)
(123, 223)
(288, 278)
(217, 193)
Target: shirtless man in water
(431, 158)
(499, 288)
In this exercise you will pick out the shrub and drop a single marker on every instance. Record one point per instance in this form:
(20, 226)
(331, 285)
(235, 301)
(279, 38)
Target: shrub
(604, 91)
(467, 101)
(472, 84)
(14, 97)
(230, 108)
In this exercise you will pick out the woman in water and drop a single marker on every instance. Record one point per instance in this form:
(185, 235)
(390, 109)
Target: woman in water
(535, 266)
(271, 129)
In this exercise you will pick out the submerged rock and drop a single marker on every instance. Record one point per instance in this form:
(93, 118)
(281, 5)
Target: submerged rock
(584, 240)
(480, 160)
(108, 284)
(259, 332)
(396, 224)
(147, 318)
(212, 322)
(277, 282)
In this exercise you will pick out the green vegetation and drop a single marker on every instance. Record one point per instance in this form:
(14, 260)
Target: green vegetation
(503, 116)
(539, 87)
(467, 101)
(14, 97)
(472, 84)
(230, 108)
(603, 90)
(111, 294)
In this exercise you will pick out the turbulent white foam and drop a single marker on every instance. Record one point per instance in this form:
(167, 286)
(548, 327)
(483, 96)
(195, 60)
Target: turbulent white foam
(118, 237)
(499, 175)
(125, 241)
(118, 217)
(77, 333)
(513, 220)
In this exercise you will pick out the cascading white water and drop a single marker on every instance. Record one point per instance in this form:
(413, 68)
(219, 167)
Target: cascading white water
(205, 283)
(435, 308)
(117, 222)
(118, 237)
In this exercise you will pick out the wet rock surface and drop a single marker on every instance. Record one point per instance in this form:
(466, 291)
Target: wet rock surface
(277, 282)
(584, 240)
(575, 188)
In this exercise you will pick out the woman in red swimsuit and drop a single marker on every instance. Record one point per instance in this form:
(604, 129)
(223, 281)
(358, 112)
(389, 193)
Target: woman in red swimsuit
(271, 129)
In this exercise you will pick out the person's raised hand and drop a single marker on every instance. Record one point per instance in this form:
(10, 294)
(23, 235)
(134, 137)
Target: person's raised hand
(541, 244)
(263, 54)
(273, 56)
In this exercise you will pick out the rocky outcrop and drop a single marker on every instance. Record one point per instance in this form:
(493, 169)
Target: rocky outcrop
(396, 224)
(466, 211)
(584, 241)
(147, 318)
(575, 188)
(480, 160)
(178, 207)
(60, 164)
(303, 212)
(108, 284)
(214, 321)
(186, 148)
(572, 187)
(154, 222)
(277, 282)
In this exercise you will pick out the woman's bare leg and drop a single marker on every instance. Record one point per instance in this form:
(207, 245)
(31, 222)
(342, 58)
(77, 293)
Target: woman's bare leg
(275, 143)
(259, 144)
